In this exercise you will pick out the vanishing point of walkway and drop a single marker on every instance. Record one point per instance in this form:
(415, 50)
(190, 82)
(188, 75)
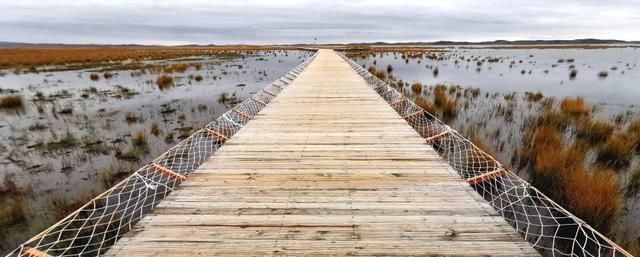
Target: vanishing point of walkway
(328, 168)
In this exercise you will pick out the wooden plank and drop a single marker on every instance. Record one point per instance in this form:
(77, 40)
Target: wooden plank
(327, 168)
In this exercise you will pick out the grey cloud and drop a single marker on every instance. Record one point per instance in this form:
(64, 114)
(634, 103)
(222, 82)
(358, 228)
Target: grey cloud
(227, 22)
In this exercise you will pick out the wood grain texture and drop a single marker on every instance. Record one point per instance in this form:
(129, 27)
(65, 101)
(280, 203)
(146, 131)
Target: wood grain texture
(326, 169)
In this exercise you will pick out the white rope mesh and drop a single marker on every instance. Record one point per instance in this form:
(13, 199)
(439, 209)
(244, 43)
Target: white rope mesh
(96, 226)
(550, 229)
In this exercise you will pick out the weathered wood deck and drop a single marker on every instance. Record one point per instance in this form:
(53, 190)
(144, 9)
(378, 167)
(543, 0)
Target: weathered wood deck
(326, 169)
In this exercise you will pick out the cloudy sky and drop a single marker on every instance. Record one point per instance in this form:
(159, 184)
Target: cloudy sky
(266, 22)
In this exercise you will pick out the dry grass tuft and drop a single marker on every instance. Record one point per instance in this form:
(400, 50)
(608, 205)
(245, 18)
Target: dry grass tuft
(573, 73)
(378, 73)
(594, 197)
(155, 129)
(139, 139)
(574, 106)
(131, 117)
(617, 151)
(11, 102)
(595, 132)
(416, 87)
(603, 74)
(534, 97)
(425, 105)
(164, 81)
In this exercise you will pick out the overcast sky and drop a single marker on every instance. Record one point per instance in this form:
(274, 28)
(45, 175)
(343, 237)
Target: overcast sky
(265, 22)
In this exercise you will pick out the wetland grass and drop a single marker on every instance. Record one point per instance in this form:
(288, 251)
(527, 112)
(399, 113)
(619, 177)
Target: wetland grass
(139, 139)
(155, 129)
(534, 97)
(603, 74)
(416, 87)
(11, 102)
(594, 131)
(574, 106)
(164, 81)
(573, 73)
(131, 117)
(617, 152)
(593, 196)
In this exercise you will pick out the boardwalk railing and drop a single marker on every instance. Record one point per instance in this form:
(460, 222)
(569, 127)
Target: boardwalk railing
(96, 226)
(551, 229)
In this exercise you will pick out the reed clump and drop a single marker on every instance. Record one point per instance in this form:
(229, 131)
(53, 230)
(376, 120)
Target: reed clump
(424, 104)
(594, 131)
(617, 151)
(593, 196)
(378, 73)
(139, 138)
(155, 129)
(574, 106)
(131, 117)
(11, 102)
(573, 73)
(534, 97)
(603, 74)
(164, 81)
(416, 87)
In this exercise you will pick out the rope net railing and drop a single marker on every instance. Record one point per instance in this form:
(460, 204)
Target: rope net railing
(551, 229)
(95, 227)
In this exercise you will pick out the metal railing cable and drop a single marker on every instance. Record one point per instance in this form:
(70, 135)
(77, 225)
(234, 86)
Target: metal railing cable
(95, 227)
(551, 229)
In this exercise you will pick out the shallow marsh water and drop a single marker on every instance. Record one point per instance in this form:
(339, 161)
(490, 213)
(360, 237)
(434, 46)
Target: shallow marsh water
(73, 136)
(498, 115)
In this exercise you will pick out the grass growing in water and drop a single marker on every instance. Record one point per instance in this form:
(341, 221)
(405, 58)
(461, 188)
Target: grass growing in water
(155, 129)
(416, 87)
(164, 81)
(11, 102)
(617, 151)
(574, 106)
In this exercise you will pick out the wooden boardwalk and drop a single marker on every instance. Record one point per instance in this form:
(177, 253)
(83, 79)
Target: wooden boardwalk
(328, 168)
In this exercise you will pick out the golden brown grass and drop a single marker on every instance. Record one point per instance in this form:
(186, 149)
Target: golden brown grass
(594, 131)
(425, 105)
(164, 81)
(11, 102)
(25, 58)
(155, 129)
(12, 213)
(617, 151)
(416, 87)
(440, 95)
(131, 117)
(534, 97)
(593, 196)
(574, 106)
(139, 139)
